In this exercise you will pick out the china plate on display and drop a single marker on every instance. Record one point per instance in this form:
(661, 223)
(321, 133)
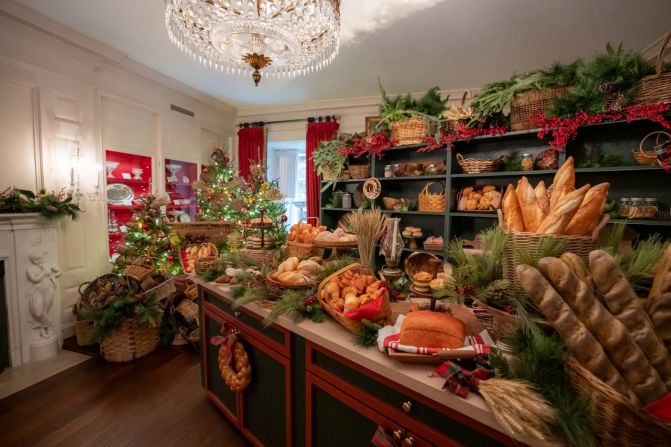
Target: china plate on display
(119, 194)
(184, 217)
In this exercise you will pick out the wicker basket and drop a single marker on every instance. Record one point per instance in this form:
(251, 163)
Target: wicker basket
(349, 324)
(140, 268)
(431, 202)
(655, 88)
(303, 251)
(422, 262)
(191, 292)
(262, 257)
(613, 419)
(453, 125)
(188, 310)
(648, 157)
(272, 279)
(409, 131)
(526, 105)
(476, 166)
(164, 292)
(215, 232)
(87, 298)
(83, 332)
(359, 171)
(130, 341)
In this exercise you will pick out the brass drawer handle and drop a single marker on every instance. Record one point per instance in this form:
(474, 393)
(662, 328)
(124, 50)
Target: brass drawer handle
(407, 406)
(409, 442)
(398, 434)
(236, 314)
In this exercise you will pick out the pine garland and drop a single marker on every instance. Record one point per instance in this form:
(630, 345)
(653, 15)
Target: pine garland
(51, 206)
(109, 319)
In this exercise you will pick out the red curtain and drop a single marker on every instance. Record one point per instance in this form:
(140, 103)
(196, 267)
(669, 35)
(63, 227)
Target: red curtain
(251, 148)
(317, 131)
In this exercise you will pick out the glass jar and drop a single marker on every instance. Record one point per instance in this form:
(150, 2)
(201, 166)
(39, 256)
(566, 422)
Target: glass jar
(623, 207)
(527, 162)
(392, 244)
(347, 200)
(636, 208)
(650, 208)
(388, 172)
(396, 170)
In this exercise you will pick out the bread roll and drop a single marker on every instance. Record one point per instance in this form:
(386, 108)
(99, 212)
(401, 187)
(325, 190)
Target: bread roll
(432, 330)
(579, 340)
(488, 188)
(291, 277)
(621, 348)
(590, 212)
(512, 213)
(532, 215)
(351, 302)
(288, 265)
(308, 267)
(564, 181)
(562, 213)
(623, 303)
(542, 197)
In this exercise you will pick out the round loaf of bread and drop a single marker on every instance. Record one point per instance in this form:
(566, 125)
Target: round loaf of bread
(432, 330)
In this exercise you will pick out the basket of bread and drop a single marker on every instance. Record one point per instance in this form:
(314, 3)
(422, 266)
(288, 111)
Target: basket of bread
(479, 200)
(199, 258)
(301, 240)
(617, 346)
(295, 274)
(336, 239)
(352, 294)
(571, 216)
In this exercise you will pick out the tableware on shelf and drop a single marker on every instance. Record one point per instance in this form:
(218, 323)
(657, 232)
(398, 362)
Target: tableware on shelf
(119, 194)
(174, 168)
(186, 180)
(137, 173)
(111, 166)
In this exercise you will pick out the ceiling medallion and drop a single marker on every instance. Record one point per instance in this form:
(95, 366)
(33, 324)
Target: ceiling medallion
(284, 38)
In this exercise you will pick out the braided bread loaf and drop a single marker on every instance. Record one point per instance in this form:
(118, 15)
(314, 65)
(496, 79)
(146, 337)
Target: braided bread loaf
(238, 379)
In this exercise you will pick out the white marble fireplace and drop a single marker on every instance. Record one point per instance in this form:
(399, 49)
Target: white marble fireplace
(29, 250)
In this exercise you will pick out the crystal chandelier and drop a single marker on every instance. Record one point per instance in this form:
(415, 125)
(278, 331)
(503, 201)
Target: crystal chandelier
(284, 38)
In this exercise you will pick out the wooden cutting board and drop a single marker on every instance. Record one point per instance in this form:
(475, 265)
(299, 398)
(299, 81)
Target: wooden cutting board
(406, 357)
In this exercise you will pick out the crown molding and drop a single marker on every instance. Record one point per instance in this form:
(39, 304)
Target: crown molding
(106, 53)
(338, 103)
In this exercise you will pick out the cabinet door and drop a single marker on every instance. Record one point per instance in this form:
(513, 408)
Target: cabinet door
(215, 388)
(266, 416)
(335, 419)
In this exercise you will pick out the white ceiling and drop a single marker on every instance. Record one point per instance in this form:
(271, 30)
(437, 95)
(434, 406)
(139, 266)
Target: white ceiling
(411, 44)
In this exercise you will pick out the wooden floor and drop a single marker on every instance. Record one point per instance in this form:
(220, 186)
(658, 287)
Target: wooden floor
(156, 401)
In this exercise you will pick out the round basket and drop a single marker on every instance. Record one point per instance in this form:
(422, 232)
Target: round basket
(130, 341)
(613, 419)
(422, 262)
(383, 316)
(188, 310)
(526, 105)
(272, 279)
(339, 245)
(303, 251)
(191, 292)
(163, 292)
(141, 267)
(476, 166)
(83, 331)
(215, 232)
(262, 257)
(359, 171)
(409, 131)
(429, 201)
(390, 203)
(648, 157)
(110, 284)
(205, 264)
(655, 88)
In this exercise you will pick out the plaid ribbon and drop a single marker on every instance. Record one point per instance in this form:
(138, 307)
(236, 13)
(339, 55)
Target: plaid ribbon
(382, 439)
(463, 376)
(664, 155)
(226, 341)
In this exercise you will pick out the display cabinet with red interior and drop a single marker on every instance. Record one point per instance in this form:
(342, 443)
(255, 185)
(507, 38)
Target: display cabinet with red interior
(179, 178)
(128, 176)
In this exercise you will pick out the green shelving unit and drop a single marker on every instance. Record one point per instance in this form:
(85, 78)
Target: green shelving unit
(628, 180)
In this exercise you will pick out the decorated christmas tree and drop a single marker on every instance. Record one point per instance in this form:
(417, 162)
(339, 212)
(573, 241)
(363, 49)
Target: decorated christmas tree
(258, 195)
(219, 190)
(147, 234)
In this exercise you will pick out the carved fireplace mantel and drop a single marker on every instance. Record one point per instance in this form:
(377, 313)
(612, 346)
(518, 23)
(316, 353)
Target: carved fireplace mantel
(29, 250)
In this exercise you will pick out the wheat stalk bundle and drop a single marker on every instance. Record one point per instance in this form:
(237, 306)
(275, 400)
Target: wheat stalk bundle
(368, 225)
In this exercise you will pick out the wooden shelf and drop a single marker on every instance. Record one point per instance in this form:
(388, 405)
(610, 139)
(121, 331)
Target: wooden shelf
(122, 207)
(129, 182)
(421, 250)
(643, 222)
(413, 178)
(351, 180)
(616, 169)
(506, 173)
(418, 213)
(475, 215)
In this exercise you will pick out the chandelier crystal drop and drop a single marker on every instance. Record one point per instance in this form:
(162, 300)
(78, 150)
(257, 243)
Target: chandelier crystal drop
(284, 38)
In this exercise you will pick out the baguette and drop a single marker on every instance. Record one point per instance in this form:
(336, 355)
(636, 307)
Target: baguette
(660, 315)
(512, 213)
(623, 303)
(662, 269)
(563, 211)
(579, 340)
(542, 197)
(621, 348)
(579, 269)
(564, 181)
(532, 215)
(589, 214)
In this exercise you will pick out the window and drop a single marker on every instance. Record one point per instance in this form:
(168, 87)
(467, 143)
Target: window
(286, 163)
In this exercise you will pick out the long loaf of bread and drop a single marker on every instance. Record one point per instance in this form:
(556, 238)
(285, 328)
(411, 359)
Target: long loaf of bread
(579, 340)
(564, 181)
(542, 196)
(660, 315)
(531, 210)
(563, 211)
(621, 348)
(662, 269)
(623, 303)
(590, 212)
(579, 268)
(512, 213)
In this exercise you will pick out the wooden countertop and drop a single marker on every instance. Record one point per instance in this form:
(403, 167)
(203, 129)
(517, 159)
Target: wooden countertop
(332, 336)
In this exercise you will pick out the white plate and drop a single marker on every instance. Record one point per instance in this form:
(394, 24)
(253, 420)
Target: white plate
(184, 217)
(119, 194)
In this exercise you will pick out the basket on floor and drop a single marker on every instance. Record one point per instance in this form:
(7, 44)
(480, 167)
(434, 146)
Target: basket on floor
(431, 201)
(533, 102)
(476, 165)
(191, 291)
(359, 171)
(102, 291)
(163, 292)
(409, 131)
(654, 88)
(141, 267)
(188, 310)
(646, 157)
(614, 419)
(215, 232)
(130, 341)
(83, 332)
(353, 325)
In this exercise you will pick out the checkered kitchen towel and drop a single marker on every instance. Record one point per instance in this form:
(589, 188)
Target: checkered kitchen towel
(462, 376)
